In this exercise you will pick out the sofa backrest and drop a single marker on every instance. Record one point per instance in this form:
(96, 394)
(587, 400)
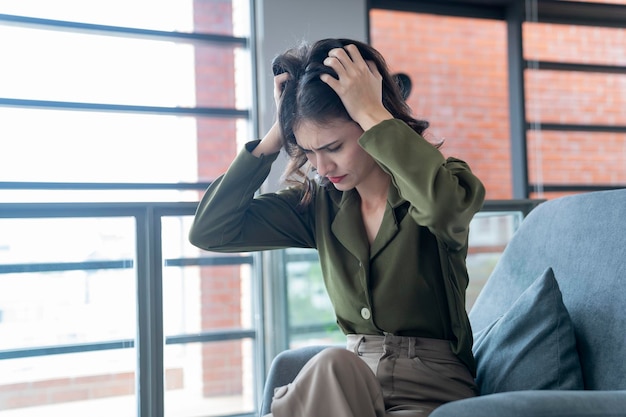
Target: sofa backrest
(583, 239)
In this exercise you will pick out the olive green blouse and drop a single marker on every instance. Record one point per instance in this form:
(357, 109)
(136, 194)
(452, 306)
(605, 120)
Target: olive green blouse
(411, 281)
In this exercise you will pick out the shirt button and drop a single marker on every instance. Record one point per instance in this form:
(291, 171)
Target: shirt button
(365, 313)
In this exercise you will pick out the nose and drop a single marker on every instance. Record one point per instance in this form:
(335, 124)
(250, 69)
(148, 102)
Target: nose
(323, 164)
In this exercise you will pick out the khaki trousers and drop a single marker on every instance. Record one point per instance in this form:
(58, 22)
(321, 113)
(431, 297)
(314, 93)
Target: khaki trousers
(376, 376)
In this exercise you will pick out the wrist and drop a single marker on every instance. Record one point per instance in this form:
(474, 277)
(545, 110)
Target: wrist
(270, 144)
(369, 120)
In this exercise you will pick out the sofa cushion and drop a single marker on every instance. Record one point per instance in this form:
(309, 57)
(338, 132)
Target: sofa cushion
(530, 347)
(582, 238)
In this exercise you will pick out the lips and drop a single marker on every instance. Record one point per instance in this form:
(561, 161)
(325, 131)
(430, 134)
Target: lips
(335, 180)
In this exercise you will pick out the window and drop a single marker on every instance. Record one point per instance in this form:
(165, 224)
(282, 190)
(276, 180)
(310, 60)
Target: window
(575, 99)
(530, 93)
(458, 67)
(88, 101)
(115, 117)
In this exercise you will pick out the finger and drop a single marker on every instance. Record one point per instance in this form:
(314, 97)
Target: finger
(341, 55)
(373, 68)
(331, 81)
(334, 63)
(279, 84)
(281, 78)
(355, 55)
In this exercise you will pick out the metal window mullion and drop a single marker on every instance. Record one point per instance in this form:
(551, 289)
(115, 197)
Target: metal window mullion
(570, 127)
(276, 304)
(103, 186)
(582, 13)
(574, 66)
(257, 284)
(122, 31)
(217, 112)
(444, 8)
(150, 340)
(577, 188)
(258, 320)
(517, 99)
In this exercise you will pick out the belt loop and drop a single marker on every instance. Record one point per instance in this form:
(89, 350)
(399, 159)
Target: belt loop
(357, 345)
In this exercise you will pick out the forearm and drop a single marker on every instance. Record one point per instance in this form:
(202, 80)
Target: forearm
(270, 144)
(231, 218)
(219, 213)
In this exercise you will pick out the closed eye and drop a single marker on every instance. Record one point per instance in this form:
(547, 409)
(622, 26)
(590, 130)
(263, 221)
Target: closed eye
(331, 147)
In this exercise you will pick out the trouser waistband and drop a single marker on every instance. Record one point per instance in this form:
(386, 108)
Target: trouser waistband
(406, 346)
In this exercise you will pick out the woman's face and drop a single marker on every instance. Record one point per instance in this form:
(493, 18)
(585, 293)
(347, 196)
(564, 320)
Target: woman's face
(334, 151)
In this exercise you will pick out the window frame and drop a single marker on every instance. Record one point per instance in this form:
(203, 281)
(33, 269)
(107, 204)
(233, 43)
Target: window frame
(150, 341)
(514, 14)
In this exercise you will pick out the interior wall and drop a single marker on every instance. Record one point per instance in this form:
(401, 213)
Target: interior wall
(281, 24)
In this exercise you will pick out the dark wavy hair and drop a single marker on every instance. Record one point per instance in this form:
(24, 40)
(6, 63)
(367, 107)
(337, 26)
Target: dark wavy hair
(306, 97)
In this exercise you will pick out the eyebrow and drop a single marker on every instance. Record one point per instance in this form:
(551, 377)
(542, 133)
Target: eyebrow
(321, 148)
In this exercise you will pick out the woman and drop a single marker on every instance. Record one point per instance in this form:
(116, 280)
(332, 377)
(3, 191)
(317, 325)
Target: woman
(389, 217)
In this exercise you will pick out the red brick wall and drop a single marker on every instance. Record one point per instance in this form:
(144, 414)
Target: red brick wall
(53, 391)
(576, 98)
(220, 286)
(222, 363)
(459, 72)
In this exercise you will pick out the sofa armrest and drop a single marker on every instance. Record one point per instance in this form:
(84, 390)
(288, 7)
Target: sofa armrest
(538, 404)
(284, 369)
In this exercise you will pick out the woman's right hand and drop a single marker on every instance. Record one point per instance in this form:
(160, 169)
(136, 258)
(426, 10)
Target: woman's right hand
(279, 87)
(359, 85)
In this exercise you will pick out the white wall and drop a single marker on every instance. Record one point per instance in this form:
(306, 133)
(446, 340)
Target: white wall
(282, 24)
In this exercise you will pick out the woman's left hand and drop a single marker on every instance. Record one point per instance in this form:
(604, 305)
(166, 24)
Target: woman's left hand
(359, 85)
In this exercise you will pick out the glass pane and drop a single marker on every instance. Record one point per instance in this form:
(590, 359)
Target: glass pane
(215, 378)
(577, 44)
(66, 146)
(208, 298)
(217, 16)
(600, 1)
(311, 319)
(65, 66)
(459, 72)
(576, 97)
(66, 284)
(200, 299)
(88, 273)
(490, 232)
(219, 141)
(226, 17)
(99, 147)
(95, 384)
(552, 195)
(583, 158)
(210, 379)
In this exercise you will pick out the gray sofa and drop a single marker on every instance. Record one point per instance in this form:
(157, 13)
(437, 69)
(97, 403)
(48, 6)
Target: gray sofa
(550, 324)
